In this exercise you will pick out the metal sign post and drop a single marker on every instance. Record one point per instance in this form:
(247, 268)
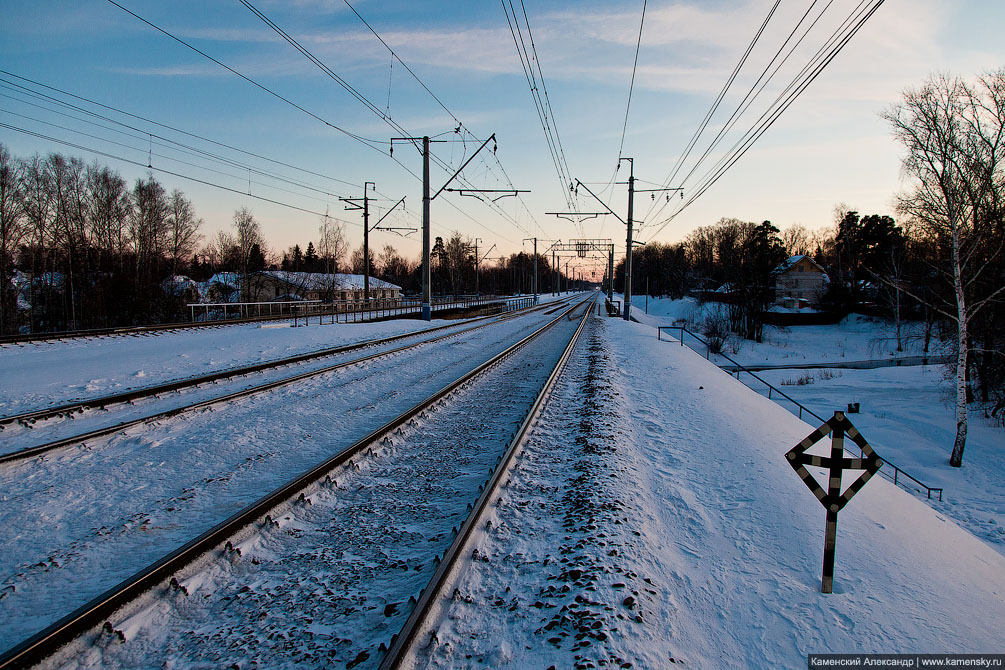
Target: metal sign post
(832, 499)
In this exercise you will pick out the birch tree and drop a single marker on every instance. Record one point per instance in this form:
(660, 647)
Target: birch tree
(954, 134)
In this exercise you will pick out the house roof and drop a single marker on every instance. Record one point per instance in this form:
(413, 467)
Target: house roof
(231, 279)
(319, 281)
(789, 262)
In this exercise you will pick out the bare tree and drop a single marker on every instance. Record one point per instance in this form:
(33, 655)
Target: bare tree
(393, 267)
(954, 133)
(148, 226)
(13, 228)
(109, 211)
(183, 229)
(251, 250)
(797, 240)
(40, 208)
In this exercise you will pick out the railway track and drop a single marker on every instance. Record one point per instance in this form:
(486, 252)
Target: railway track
(330, 483)
(145, 331)
(29, 419)
(404, 645)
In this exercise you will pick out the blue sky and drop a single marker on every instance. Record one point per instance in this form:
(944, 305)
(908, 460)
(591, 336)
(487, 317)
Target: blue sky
(829, 147)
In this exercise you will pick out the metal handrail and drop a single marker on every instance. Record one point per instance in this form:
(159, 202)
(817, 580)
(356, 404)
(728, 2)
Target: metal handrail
(898, 473)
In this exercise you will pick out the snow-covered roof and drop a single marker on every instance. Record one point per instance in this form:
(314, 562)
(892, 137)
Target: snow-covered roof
(177, 284)
(787, 264)
(225, 279)
(319, 281)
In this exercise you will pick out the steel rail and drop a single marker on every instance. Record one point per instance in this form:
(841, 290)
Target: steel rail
(155, 329)
(403, 643)
(31, 452)
(78, 406)
(97, 612)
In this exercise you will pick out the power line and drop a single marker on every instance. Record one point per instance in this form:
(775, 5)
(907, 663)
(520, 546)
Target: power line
(151, 154)
(106, 154)
(718, 100)
(148, 136)
(848, 29)
(542, 105)
(631, 86)
(366, 102)
(163, 125)
(366, 141)
(395, 56)
(359, 138)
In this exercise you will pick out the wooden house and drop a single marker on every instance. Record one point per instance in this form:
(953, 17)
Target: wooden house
(800, 282)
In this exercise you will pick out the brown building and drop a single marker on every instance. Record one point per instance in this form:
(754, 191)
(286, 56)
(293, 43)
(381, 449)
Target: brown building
(800, 282)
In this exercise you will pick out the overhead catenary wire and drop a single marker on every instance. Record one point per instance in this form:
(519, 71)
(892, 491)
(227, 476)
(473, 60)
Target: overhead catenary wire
(759, 84)
(631, 86)
(824, 56)
(180, 175)
(367, 141)
(752, 93)
(138, 133)
(370, 105)
(370, 143)
(395, 56)
(166, 126)
(152, 154)
(718, 100)
(531, 66)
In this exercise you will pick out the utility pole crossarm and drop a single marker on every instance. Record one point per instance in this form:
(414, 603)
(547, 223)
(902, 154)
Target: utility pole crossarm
(597, 198)
(583, 215)
(470, 158)
(472, 192)
(376, 226)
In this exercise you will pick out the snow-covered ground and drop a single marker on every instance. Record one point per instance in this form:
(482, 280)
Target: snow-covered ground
(653, 521)
(332, 580)
(654, 518)
(856, 338)
(83, 518)
(40, 374)
(907, 413)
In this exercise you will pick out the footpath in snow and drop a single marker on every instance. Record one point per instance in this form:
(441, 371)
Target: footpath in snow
(655, 521)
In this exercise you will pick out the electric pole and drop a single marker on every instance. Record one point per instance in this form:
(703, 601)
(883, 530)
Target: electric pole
(477, 240)
(628, 225)
(610, 275)
(353, 205)
(535, 266)
(478, 262)
(554, 274)
(427, 310)
(426, 199)
(628, 250)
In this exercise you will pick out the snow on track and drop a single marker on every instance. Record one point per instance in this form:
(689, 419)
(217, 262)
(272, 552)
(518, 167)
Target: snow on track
(42, 374)
(333, 579)
(571, 602)
(16, 437)
(82, 519)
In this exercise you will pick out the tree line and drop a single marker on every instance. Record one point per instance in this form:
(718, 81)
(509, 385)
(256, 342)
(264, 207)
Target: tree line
(943, 264)
(82, 248)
